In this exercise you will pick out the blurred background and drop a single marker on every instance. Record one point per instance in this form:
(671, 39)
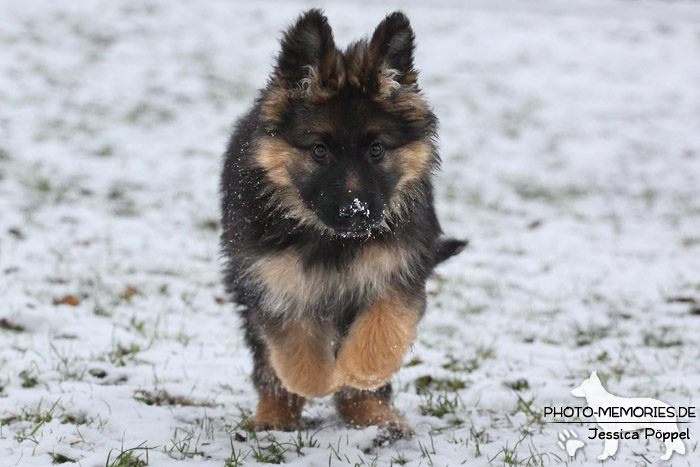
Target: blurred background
(570, 138)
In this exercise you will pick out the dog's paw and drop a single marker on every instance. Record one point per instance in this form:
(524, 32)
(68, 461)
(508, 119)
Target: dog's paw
(376, 343)
(311, 388)
(363, 380)
(280, 412)
(363, 408)
(365, 371)
(568, 441)
(393, 431)
(258, 423)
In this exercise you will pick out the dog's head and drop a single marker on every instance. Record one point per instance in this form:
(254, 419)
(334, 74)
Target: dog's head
(587, 386)
(349, 138)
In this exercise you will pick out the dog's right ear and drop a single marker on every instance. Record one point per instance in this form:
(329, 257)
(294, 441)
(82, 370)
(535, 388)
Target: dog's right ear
(308, 52)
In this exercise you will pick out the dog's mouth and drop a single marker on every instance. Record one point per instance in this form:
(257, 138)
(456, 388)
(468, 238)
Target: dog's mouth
(354, 230)
(362, 230)
(353, 233)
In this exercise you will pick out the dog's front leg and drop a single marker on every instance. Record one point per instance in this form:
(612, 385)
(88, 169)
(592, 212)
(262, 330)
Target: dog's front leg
(377, 342)
(609, 449)
(302, 357)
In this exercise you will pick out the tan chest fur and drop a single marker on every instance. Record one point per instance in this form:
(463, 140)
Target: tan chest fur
(293, 290)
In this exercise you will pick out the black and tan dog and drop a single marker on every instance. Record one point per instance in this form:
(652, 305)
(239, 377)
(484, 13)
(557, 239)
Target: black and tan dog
(329, 229)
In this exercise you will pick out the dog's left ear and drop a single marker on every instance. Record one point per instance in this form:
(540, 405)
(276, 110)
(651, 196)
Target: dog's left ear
(392, 46)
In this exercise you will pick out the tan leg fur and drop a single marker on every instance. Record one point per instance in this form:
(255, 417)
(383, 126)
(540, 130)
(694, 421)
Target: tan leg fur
(302, 358)
(376, 344)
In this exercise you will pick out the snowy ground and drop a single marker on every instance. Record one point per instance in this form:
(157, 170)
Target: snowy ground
(571, 147)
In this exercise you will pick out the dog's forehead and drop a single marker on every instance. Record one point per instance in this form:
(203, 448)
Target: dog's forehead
(342, 117)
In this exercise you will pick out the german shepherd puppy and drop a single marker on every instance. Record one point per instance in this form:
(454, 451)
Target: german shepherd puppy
(329, 229)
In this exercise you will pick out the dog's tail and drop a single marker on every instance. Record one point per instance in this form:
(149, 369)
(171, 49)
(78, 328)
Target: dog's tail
(448, 247)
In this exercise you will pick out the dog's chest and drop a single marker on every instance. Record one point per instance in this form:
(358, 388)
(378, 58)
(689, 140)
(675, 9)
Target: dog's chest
(291, 288)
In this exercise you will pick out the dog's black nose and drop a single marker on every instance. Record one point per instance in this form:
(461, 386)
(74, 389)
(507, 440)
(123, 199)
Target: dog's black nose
(355, 208)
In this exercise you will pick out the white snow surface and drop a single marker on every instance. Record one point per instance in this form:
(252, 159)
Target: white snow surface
(570, 138)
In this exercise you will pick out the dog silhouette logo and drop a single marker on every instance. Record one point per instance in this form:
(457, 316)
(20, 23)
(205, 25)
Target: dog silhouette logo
(569, 442)
(638, 413)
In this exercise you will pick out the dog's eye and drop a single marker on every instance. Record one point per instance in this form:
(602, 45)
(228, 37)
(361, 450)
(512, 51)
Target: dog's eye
(376, 151)
(320, 152)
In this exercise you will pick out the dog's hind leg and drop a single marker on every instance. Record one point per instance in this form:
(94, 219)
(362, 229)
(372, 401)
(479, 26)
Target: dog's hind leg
(676, 445)
(364, 408)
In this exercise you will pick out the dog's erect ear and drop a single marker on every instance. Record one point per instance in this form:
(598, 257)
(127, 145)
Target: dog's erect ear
(393, 44)
(308, 51)
(594, 376)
